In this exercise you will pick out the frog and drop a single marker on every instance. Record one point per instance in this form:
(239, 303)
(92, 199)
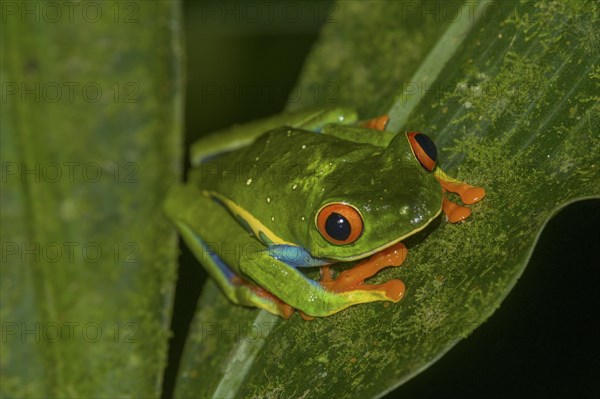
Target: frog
(268, 201)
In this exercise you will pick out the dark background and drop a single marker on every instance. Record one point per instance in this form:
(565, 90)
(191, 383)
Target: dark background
(544, 339)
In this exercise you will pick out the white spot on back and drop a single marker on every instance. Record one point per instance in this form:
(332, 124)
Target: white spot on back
(249, 181)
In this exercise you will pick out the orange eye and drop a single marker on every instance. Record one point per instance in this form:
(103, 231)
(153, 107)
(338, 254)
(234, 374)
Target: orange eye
(339, 223)
(424, 149)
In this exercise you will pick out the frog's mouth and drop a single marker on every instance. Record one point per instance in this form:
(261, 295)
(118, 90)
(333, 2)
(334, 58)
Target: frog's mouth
(389, 244)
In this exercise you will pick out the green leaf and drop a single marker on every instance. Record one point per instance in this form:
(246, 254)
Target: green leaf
(91, 131)
(509, 91)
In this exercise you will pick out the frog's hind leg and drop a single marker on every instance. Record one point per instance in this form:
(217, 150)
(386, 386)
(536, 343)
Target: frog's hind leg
(322, 117)
(241, 135)
(193, 214)
(236, 288)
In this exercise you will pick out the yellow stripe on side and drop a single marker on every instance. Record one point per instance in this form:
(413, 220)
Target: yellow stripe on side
(255, 224)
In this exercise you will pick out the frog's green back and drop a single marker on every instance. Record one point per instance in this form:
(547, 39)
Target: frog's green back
(288, 174)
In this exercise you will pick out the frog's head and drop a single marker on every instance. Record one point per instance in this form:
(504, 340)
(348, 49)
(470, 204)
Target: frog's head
(373, 200)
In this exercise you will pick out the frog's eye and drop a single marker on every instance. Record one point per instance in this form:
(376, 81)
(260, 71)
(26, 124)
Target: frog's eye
(424, 149)
(339, 223)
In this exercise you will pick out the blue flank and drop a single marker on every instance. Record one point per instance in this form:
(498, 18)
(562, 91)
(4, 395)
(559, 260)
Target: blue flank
(295, 256)
(292, 255)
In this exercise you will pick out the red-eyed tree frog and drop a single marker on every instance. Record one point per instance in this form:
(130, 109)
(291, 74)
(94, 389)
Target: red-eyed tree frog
(315, 188)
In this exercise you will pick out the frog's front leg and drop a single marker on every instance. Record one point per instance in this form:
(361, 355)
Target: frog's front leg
(353, 279)
(324, 299)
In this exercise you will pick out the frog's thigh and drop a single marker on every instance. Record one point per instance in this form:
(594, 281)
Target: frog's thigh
(360, 134)
(295, 289)
(325, 116)
(218, 242)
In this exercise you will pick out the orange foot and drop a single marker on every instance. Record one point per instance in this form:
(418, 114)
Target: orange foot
(468, 194)
(354, 278)
(378, 123)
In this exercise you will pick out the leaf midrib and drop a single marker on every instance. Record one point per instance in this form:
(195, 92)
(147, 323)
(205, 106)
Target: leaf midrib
(434, 63)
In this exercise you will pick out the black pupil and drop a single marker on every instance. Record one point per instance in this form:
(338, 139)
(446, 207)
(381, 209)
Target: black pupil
(427, 145)
(338, 227)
